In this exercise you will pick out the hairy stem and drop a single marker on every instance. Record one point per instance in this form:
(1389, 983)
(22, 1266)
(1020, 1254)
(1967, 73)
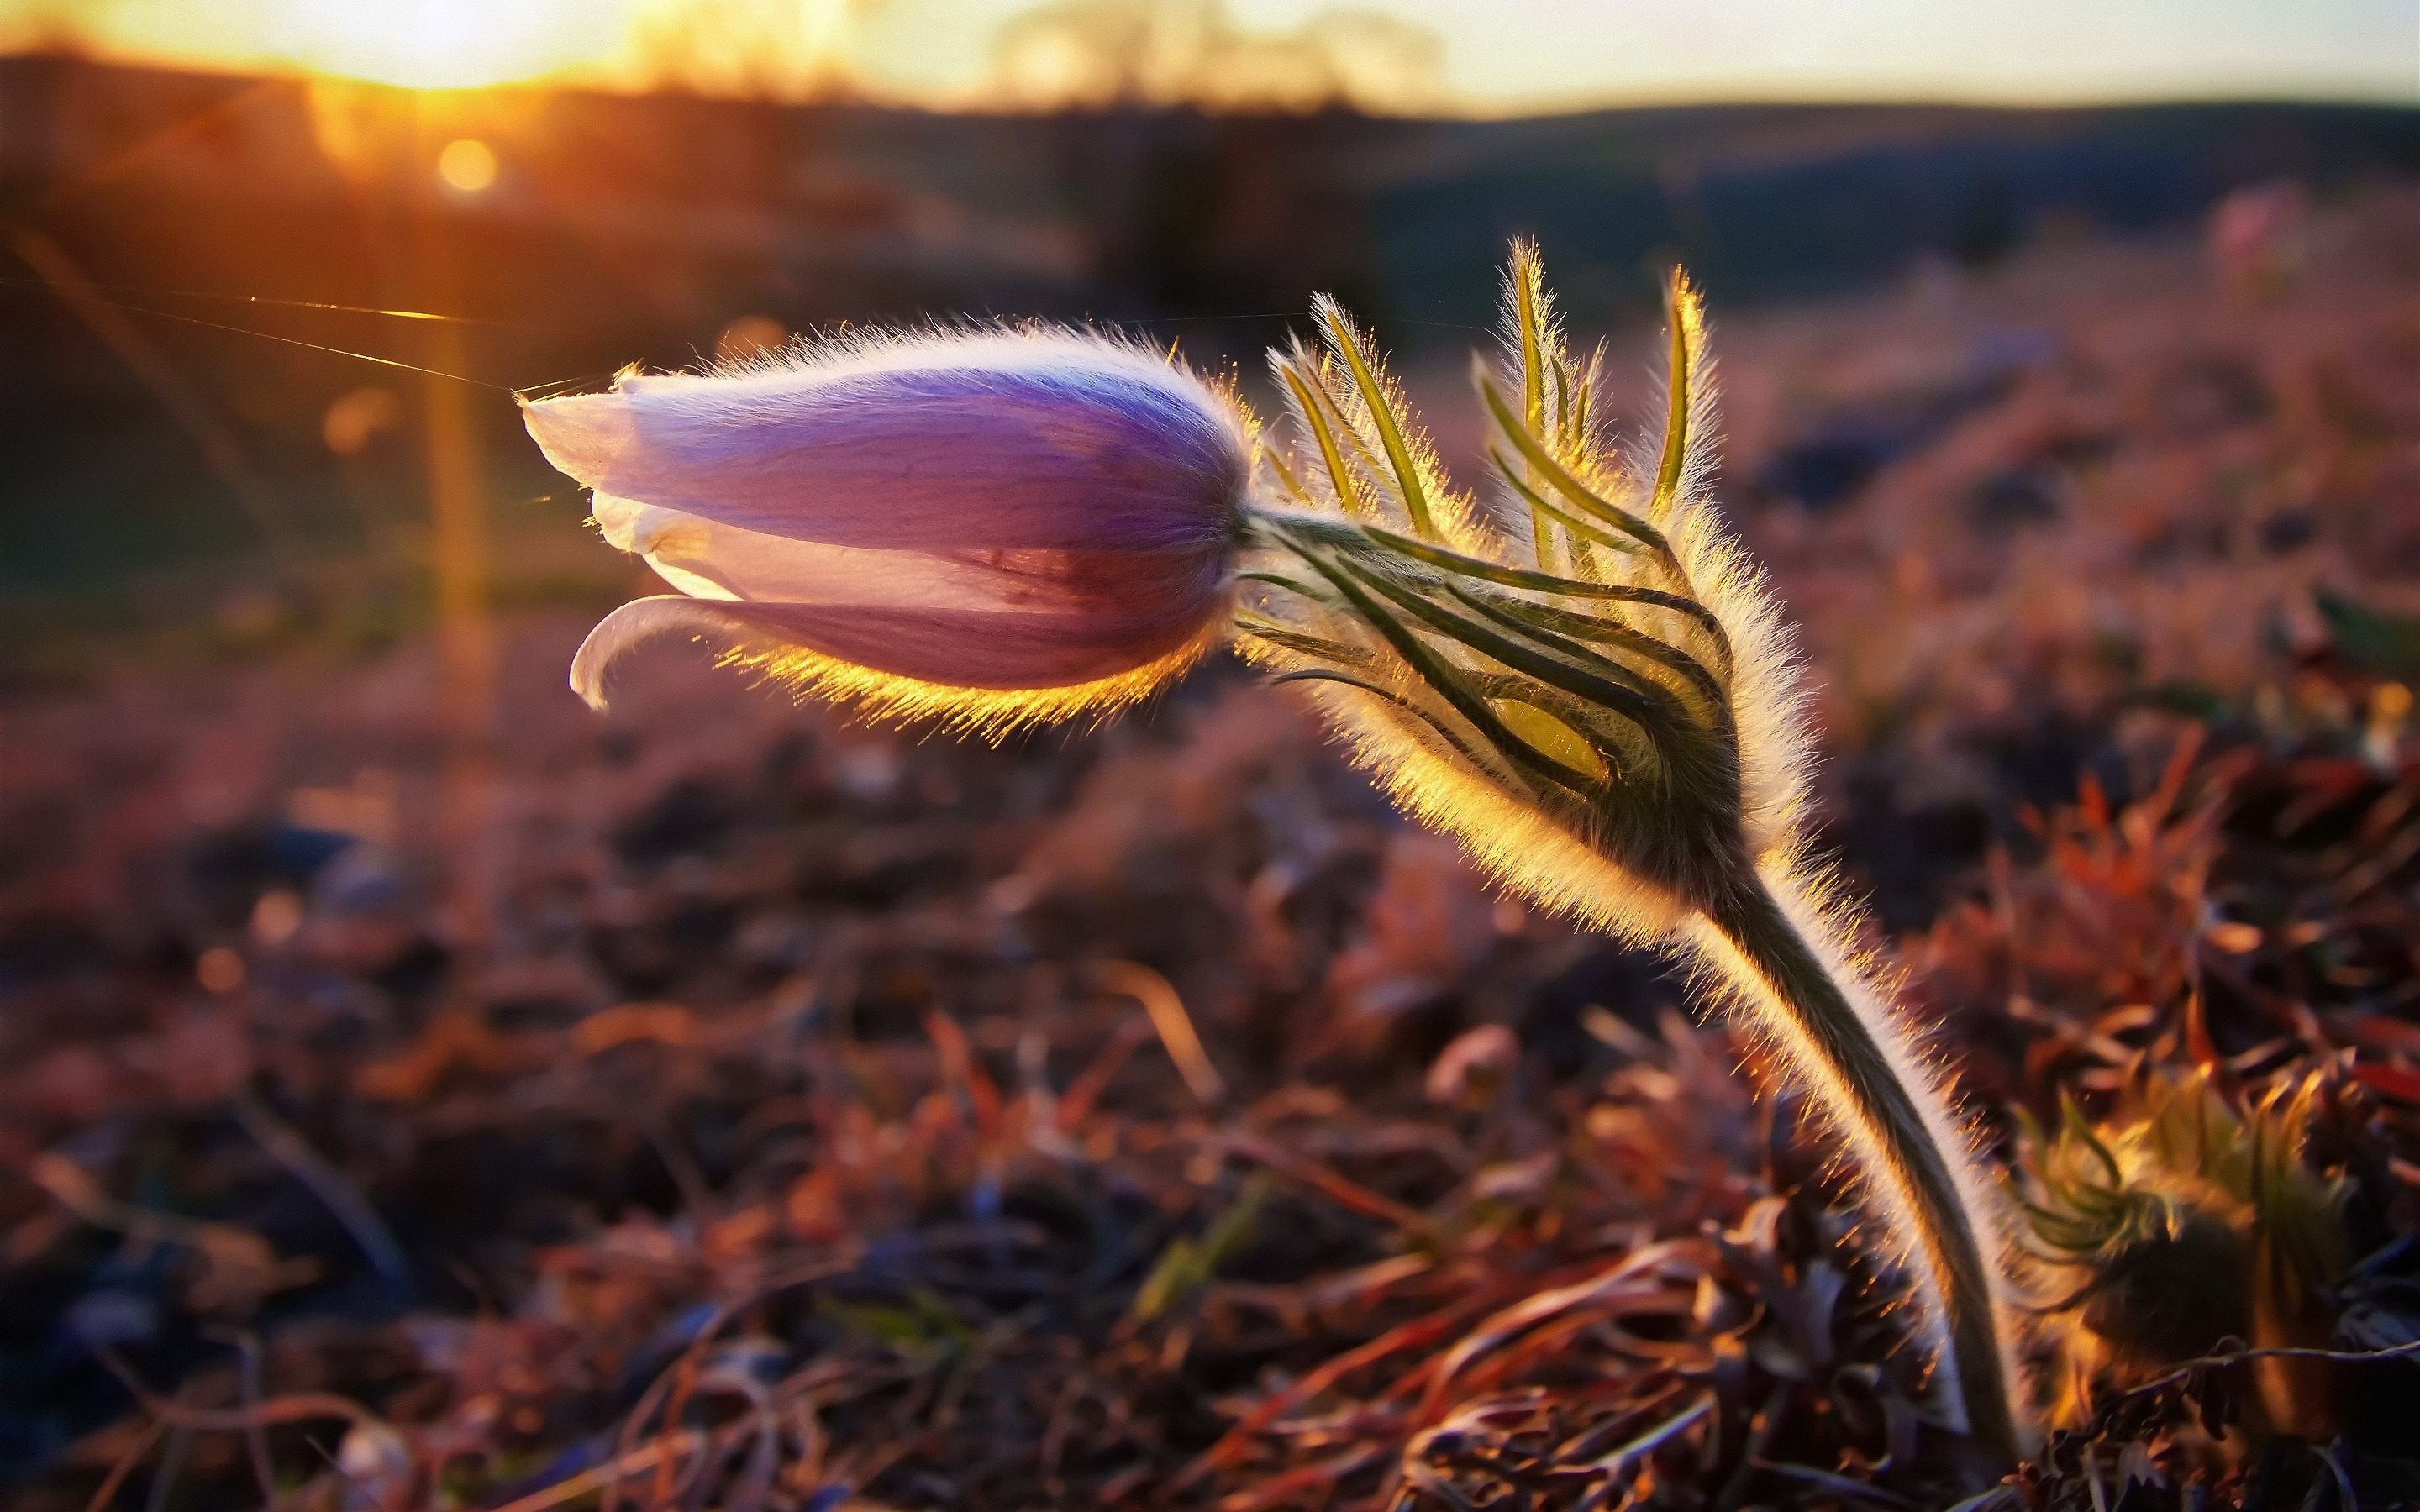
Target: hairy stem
(1878, 1102)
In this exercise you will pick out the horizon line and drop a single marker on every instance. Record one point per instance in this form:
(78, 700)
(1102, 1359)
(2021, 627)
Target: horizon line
(849, 94)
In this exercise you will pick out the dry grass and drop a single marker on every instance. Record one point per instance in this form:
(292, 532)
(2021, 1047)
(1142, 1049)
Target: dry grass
(745, 1111)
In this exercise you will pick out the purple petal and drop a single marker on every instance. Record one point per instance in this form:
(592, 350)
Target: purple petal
(713, 560)
(958, 648)
(1079, 443)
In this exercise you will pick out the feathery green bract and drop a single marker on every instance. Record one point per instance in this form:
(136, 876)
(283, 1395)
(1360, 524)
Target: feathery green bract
(1534, 448)
(1527, 279)
(1346, 343)
(1676, 420)
(2177, 1144)
(1626, 660)
(1314, 409)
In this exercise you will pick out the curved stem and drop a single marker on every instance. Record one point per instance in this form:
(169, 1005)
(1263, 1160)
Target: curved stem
(1879, 1101)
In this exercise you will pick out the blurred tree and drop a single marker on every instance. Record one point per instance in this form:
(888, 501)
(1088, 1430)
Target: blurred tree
(1094, 53)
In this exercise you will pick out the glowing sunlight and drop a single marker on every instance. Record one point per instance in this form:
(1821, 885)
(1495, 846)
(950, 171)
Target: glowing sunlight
(444, 44)
(1460, 56)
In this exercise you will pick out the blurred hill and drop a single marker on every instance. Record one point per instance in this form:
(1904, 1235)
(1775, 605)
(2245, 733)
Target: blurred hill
(620, 228)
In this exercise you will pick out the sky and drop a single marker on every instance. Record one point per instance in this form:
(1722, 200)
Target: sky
(1498, 56)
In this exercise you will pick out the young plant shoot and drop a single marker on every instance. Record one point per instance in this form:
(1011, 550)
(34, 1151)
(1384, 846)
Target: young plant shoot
(1577, 673)
(1583, 679)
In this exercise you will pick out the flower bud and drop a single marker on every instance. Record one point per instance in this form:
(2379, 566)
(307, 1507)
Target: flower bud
(995, 527)
(2180, 1220)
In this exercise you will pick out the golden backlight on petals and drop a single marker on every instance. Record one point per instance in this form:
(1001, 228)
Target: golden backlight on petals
(468, 165)
(992, 714)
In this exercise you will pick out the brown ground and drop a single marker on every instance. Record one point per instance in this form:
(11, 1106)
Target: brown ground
(770, 1108)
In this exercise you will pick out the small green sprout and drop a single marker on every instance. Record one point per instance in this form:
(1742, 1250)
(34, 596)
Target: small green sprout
(2176, 1225)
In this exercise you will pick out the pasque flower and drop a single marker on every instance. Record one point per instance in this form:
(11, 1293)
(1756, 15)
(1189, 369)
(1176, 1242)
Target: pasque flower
(1579, 675)
(991, 526)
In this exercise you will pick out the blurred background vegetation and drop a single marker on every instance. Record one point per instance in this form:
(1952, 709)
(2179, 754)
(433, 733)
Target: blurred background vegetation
(163, 441)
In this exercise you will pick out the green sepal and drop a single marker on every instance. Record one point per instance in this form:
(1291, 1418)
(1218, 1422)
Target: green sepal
(1585, 627)
(1548, 583)
(1537, 505)
(1382, 416)
(1340, 475)
(1571, 487)
(1676, 410)
(1447, 680)
(1318, 675)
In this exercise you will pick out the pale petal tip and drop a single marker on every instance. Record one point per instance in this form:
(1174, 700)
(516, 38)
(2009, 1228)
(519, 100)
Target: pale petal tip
(618, 632)
(580, 434)
(588, 676)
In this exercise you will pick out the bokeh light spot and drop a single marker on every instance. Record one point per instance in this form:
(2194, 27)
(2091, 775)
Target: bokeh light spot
(354, 419)
(276, 916)
(467, 164)
(219, 970)
(750, 335)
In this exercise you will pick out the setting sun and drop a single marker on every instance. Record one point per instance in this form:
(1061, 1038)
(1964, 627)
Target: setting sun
(434, 44)
(427, 44)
